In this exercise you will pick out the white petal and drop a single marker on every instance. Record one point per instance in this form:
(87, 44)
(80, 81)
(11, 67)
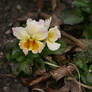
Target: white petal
(53, 46)
(41, 22)
(29, 20)
(37, 31)
(25, 51)
(47, 22)
(41, 35)
(20, 33)
(54, 34)
(33, 27)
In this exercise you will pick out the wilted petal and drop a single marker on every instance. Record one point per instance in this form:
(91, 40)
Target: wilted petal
(29, 20)
(53, 46)
(54, 34)
(25, 51)
(20, 33)
(47, 22)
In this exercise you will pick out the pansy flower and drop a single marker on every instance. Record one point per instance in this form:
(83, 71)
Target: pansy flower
(32, 36)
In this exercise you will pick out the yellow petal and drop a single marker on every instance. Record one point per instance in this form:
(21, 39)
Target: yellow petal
(37, 47)
(26, 44)
(53, 46)
(54, 34)
(20, 33)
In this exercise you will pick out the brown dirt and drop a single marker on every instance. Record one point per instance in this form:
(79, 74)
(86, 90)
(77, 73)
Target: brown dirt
(10, 10)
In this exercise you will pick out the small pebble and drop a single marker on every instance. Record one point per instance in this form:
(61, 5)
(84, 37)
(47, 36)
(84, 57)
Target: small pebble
(8, 32)
(5, 89)
(19, 7)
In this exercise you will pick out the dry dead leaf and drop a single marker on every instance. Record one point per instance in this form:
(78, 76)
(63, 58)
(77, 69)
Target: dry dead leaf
(40, 71)
(40, 4)
(61, 59)
(53, 4)
(65, 88)
(62, 71)
(52, 90)
(55, 21)
(75, 87)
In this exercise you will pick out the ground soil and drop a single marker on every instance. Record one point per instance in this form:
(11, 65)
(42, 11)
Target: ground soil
(10, 10)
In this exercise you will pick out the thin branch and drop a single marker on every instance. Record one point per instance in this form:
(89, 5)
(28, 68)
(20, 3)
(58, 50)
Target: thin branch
(79, 83)
(77, 42)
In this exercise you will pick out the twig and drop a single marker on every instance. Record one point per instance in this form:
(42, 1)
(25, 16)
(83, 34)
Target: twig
(44, 15)
(77, 42)
(62, 71)
(56, 74)
(79, 83)
(78, 74)
(8, 75)
(42, 78)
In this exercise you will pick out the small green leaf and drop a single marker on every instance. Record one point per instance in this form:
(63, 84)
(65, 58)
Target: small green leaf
(8, 56)
(88, 30)
(15, 53)
(83, 78)
(89, 78)
(14, 69)
(32, 56)
(25, 67)
(20, 59)
(90, 67)
(80, 64)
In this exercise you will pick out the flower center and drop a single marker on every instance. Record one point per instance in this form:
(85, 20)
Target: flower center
(51, 35)
(31, 44)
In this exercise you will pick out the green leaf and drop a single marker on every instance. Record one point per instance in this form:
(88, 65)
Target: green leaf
(8, 56)
(20, 59)
(32, 56)
(88, 30)
(39, 62)
(69, 16)
(14, 69)
(25, 67)
(80, 64)
(83, 78)
(16, 52)
(89, 78)
(90, 67)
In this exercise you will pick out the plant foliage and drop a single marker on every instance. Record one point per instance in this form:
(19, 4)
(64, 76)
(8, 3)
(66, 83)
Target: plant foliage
(30, 63)
(84, 64)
